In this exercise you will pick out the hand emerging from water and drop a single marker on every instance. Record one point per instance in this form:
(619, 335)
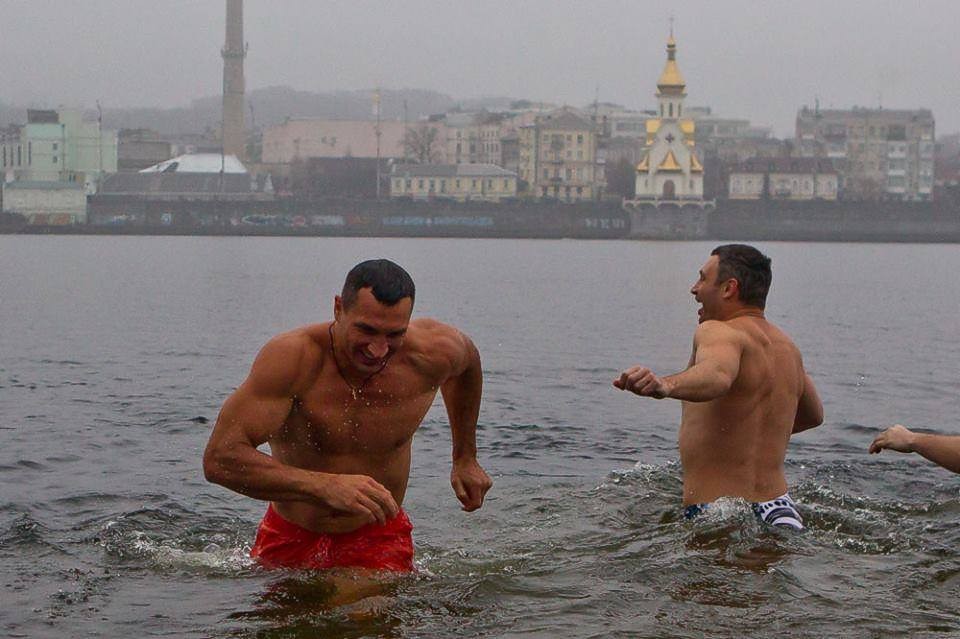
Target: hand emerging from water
(643, 382)
(470, 483)
(897, 437)
(358, 495)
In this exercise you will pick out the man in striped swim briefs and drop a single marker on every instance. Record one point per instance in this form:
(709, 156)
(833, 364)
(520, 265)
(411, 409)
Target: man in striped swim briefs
(781, 512)
(744, 392)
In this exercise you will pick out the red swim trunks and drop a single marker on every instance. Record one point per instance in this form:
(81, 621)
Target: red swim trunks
(284, 544)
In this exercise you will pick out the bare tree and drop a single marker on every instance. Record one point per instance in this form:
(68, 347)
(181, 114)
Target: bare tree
(420, 144)
(622, 178)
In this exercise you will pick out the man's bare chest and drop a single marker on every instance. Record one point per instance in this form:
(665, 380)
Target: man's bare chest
(379, 417)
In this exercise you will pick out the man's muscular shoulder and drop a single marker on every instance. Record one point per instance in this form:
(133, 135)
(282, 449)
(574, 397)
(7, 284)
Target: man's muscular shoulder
(288, 362)
(437, 349)
(713, 331)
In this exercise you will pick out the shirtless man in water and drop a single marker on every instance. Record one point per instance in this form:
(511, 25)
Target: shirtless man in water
(338, 403)
(744, 392)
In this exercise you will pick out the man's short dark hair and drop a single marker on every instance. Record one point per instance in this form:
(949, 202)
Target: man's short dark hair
(387, 280)
(749, 267)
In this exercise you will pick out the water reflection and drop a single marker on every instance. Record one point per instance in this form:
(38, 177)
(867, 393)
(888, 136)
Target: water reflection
(327, 604)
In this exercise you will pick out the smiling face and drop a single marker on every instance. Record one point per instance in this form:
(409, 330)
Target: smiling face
(368, 332)
(714, 296)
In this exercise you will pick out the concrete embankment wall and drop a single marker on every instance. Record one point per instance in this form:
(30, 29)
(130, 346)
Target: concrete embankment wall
(835, 221)
(669, 223)
(346, 217)
(730, 220)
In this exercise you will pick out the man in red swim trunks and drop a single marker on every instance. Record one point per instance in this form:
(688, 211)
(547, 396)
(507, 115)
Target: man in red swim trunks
(338, 403)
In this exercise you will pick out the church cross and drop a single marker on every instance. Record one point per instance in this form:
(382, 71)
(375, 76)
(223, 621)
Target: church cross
(670, 138)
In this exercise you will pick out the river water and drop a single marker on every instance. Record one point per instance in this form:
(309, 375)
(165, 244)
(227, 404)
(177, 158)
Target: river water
(116, 353)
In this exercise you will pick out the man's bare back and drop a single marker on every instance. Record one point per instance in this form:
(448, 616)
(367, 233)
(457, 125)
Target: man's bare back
(744, 391)
(735, 445)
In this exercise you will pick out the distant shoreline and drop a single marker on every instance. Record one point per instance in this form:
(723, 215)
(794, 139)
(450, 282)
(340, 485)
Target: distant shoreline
(797, 235)
(759, 220)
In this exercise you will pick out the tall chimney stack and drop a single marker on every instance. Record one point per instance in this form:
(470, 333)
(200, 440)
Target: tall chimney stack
(233, 52)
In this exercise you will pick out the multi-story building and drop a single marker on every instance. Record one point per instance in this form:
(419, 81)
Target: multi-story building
(462, 182)
(58, 146)
(139, 148)
(783, 178)
(474, 138)
(485, 137)
(558, 157)
(303, 138)
(880, 153)
(947, 167)
(625, 123)
(731, 139)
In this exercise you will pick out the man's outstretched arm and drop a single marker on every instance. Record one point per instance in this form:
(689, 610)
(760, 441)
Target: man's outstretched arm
(809, 408)
(461, 396)
(714, 368)
(943, 450)
(255, 413)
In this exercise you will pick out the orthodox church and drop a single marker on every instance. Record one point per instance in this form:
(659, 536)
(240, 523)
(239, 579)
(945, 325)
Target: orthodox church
(670, 169)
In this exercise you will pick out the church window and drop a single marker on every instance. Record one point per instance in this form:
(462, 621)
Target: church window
(671, 109)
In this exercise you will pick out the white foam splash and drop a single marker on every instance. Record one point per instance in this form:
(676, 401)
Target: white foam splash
(212, 557)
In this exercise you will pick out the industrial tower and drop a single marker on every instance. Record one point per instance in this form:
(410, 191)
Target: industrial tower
(233, 52)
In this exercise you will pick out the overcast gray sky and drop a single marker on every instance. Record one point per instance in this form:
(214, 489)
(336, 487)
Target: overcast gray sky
(753, 59)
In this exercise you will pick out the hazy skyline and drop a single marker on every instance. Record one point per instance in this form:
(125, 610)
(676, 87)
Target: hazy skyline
(760, 61)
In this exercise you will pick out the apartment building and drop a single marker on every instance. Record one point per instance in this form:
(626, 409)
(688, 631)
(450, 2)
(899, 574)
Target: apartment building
(558, 157)
(879, 153)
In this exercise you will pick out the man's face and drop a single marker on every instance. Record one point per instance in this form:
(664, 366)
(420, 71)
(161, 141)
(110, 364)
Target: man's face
(707, 291)
(372, 331)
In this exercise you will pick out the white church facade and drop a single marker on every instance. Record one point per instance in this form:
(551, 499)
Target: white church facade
(670, 170)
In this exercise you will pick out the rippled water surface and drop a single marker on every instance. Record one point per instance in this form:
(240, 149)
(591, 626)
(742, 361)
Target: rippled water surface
(116, 353)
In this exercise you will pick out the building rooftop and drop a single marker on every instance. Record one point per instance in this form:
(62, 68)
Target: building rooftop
(564, 119)
(177, 182)
(39, 185)
(199, 163)
(451, 170)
